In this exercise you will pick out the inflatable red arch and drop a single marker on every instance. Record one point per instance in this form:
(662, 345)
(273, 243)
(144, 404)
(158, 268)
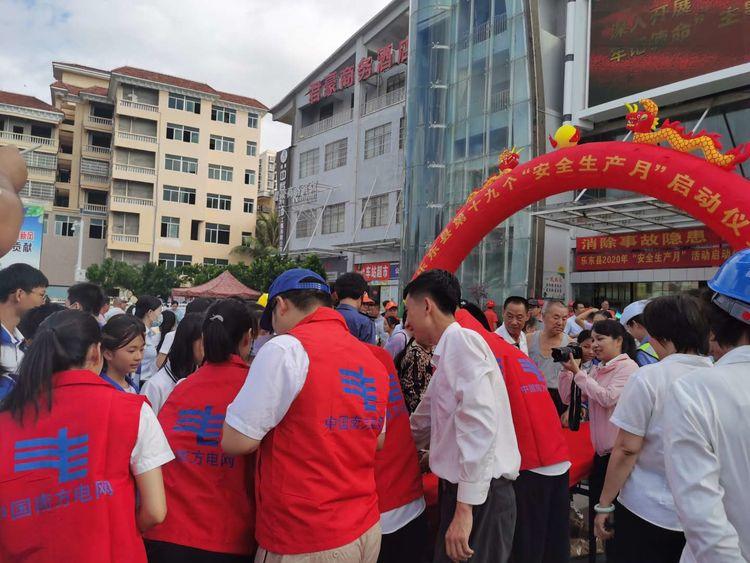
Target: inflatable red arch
(714, 196)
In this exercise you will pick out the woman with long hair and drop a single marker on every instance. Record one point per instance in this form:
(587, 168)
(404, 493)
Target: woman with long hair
(168, 322)
(211, 497)
(123, 343)
(73, 453)
(149, 310)
(648, 527)
(185, 356)
(615, 349)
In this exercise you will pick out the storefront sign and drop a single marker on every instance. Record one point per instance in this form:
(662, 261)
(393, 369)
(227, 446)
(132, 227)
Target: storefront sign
(28, 248)
(388, 56)
(554, 286)
(647, 240)
(653, 259)
(637, 46)
(378, 271)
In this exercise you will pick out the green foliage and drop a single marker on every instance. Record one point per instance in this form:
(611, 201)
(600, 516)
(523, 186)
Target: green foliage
(158, 280)
(266, 240)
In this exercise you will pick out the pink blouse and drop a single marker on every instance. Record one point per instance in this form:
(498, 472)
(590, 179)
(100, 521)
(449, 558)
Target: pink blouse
(603, 387)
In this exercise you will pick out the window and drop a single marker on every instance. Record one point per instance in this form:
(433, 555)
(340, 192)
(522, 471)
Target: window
(179, 195)
(64, 226)
(186, 103)
(226, 115)
(335, 154)
(401, 132)
(305, 224)
(308, 163)
(216, 261)
(97, 228)
(223, 173)
(126, 223)
(218, 143)
(395, 82)
(377, 141)
(375, 211)
(182, 133)
(252, 148)
(181, 164)
(250, 177)
(252, 120)
(216, 201)
(129, 188)
(246, 237)
(195, 226)
(216, 233)
(170, 227)
(333, 219)
(174, 260)
(248, 205)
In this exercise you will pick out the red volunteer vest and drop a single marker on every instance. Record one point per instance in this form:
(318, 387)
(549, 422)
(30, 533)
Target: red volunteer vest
(397, 474)
(209, 493)
(316, 469)
(538, 430)
(66, 491)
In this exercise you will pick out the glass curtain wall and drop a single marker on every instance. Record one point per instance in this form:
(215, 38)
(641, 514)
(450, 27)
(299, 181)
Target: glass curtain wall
(468, 98)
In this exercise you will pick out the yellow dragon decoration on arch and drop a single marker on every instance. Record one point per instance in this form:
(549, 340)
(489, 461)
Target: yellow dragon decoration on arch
(643, 121)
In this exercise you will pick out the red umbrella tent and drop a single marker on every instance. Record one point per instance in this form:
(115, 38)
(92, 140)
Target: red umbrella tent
(225, 285)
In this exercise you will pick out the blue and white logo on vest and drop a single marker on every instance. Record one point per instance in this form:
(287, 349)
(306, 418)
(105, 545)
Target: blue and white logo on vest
(203, 423)
(356, 383)
(62, 452)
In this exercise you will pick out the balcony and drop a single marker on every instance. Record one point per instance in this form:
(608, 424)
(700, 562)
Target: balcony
(94, 208)
(97, 152)
(99, 122)
(42, 173)
(21, 139)
(388, 99)
(125, 238)
(119, 200)
(129, 107)
(326, 124)
(38, 190)
(130, 172)
(500, 100)
(136, 137)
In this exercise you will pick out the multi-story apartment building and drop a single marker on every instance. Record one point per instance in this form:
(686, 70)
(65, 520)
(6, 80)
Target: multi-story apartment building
(267, 182)
(347, 162)
(152, 167)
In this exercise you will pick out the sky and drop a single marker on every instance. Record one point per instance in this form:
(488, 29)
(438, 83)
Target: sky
(259, 49)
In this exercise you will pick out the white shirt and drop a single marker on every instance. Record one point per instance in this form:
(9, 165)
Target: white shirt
(707, 436)
(572, 328)
(148, 363)
(395, 519)
(465, 416)
(158, 388)
(166, 346)
(640, 411)
(151, 447)
(10, 349)
(505, 335)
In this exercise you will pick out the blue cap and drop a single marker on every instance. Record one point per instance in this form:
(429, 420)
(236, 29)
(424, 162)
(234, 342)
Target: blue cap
(291, 280)
(733, 278)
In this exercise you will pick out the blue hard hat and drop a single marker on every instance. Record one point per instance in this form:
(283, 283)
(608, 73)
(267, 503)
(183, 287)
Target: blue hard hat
(733, 278)
(291, 280)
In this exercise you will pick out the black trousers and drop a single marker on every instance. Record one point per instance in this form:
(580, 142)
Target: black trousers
(406, 544)
(543, 521)
(494, 522)
(165, 552)
(639, 541)
(596, 484)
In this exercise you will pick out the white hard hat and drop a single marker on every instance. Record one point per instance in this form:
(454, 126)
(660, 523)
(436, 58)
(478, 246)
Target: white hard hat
(633, 310)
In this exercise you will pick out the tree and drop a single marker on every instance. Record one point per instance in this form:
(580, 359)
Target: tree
(156, 280)
(266, 240)
(111, 275)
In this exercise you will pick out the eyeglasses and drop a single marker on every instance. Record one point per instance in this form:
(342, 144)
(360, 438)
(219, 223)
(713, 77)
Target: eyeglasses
(43, 294)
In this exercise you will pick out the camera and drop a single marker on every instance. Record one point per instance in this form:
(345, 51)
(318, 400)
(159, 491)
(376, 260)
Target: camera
(562, 354)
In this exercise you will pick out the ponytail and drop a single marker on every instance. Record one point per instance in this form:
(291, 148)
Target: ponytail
(62, 342)
(225, 324)
(615, 330)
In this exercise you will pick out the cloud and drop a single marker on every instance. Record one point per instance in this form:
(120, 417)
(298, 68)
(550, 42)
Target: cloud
(254, 48)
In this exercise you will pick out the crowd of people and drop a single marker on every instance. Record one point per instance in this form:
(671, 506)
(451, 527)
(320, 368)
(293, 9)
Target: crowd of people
(308, 426)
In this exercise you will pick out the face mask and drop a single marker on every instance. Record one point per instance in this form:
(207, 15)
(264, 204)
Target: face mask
(259, 342)
(157, 321)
